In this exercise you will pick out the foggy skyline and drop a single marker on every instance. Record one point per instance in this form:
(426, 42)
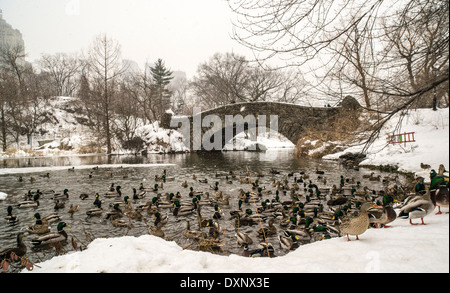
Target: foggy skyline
(182, 33)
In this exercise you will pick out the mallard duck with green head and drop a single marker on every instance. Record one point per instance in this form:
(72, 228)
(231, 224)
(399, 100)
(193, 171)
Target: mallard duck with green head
(163, 219)
(115, 213)
(10, 217)
(64, 195)
(214, 228)
(40, 227)
(50, 238)
(30, 203)
(180, 210)
(217, 212)
(139, 195)
(117, 192)
(97, 211)
(288, 240)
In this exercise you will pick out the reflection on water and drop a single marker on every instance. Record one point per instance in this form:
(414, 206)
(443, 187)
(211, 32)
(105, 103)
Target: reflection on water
(131, 171)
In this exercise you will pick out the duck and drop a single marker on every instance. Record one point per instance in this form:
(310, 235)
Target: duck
(19, 250)
(418, 207)
(161, 204)
(115, 213)
(95, 211)
(242, 220)
(358, 223)
(214, 228)
(222, 201)
(40, 227)
(300, 234)
(265, 250)
(228, 180)
(203, 180)
(361, 193)
(163, 219)
(386, 215)
(425, 166)
(135, 215)
(73, 209)
(83, 196)
(112, 187)
(442, 197)
(64, 195)
(184, 184)
(52, 218)
(268, 231)
(375, 178)
(142, 188)
(288, 240)
(151, 210)
(59, 205)
(319, 172)
(115, 193)
(29, 203)
(192, 233)
(167, 179)
(367, 176)
(50, 238)
(217, 213)
(156, 230)
(182, 211)
(138, 195)
(337, 201)
(214, 187)
(243, 238)
(119, 223)
(10, 217)
(46, 175)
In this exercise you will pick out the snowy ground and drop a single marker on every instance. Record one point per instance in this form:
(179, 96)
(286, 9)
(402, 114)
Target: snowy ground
(431, 144)
(401, 248)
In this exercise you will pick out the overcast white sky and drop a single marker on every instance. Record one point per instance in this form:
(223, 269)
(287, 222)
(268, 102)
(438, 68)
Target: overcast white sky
(184, 33)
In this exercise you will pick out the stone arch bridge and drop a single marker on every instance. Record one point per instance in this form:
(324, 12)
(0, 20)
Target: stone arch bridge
(212, 129)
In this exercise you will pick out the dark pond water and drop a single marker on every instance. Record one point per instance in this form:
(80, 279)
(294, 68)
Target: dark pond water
(130, 171)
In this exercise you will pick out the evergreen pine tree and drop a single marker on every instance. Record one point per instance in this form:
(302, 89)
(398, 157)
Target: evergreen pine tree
(161, 77)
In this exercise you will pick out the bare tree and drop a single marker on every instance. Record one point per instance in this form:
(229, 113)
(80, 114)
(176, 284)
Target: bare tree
(63, 70)
(221, 80)
(106, 66)
(228, 78)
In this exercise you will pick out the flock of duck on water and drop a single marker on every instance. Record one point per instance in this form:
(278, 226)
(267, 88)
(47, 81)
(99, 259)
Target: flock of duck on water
(295, 208)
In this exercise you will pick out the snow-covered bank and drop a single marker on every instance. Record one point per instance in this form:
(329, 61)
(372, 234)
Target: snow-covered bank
(271, 140)
(431, 146)
(403, 248)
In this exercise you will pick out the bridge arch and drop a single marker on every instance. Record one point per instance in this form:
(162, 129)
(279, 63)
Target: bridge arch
(210, 129)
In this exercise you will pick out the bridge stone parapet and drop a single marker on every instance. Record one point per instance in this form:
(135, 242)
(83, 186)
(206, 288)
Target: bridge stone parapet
(214, 127)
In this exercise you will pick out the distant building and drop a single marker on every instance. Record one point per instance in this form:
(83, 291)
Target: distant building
(10, 37)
